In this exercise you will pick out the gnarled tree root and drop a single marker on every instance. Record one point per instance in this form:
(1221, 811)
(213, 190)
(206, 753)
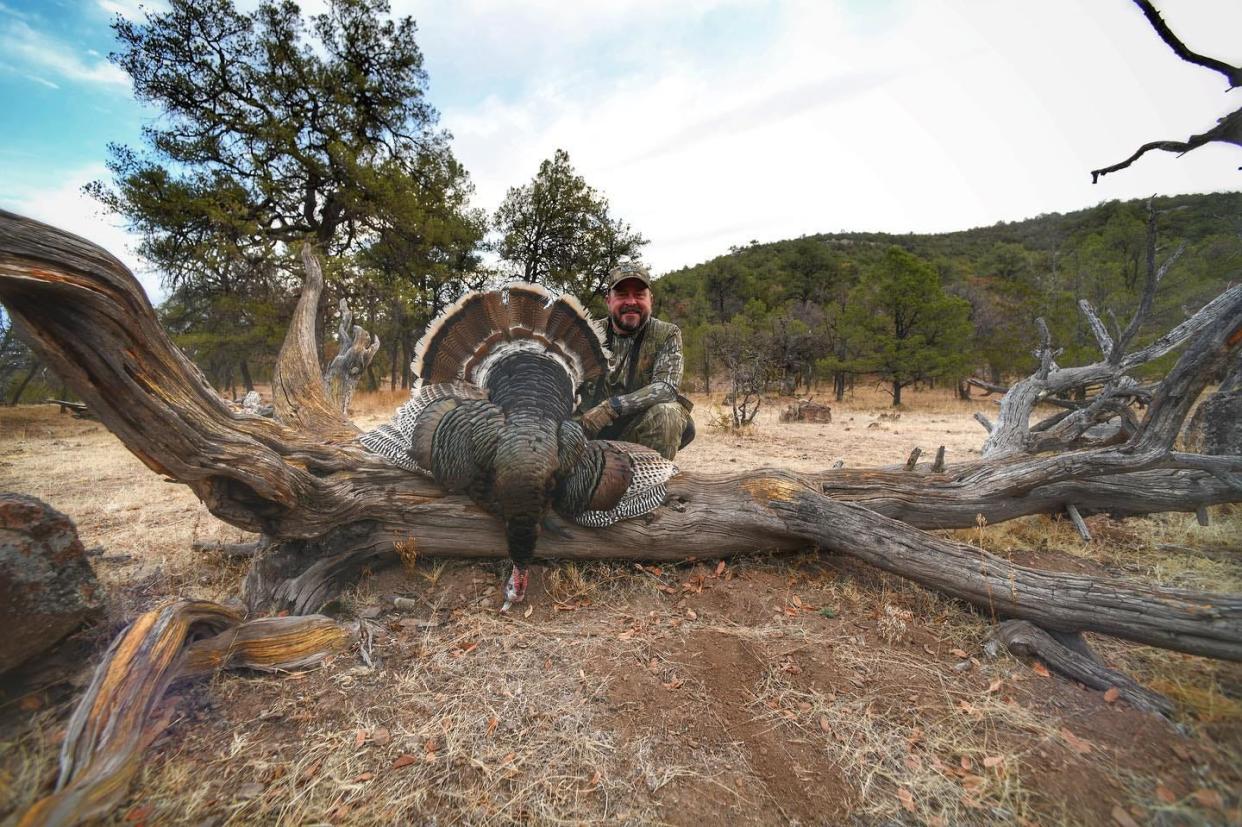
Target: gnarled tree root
(120, 713)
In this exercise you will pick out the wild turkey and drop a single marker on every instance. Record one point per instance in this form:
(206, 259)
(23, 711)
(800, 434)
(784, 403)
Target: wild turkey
(491, 417)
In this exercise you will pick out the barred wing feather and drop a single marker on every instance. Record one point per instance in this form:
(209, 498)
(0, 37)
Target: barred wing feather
(614, 481)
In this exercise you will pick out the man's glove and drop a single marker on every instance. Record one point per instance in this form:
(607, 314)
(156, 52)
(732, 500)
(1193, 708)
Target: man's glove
(598, 418)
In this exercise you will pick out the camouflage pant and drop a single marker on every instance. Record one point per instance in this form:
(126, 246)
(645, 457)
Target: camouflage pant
(662, 427)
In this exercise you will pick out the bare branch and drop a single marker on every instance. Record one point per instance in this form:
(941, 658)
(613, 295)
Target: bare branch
(1232, 73)
(1097, 327)
(1227, 130)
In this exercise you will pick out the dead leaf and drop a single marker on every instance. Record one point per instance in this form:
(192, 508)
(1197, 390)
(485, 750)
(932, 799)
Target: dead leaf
(913, 762)
(403, 760)
(431, 745)
(797, 601)
(1209, 798)
(966, 764)
(928, 649)
(491, 725)
(1075, 743)
(1112, 694)
(720, 567)
(360, 737)
(991, 761)
(824, 724)
(381, 737)
(1123, 818)
(675, 683)
(508, 756)
(691, 614)
(529, 611)
(312, 770)
(1039, 669)
(966, 706)
(995, 685)
(961, 653)
(1182, 753)
(366, 776)
(1165, 794)
(906, 798)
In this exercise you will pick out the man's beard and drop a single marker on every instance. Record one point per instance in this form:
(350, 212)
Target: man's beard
(618, 319)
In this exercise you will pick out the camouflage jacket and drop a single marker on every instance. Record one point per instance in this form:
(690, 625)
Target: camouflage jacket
(643, 378)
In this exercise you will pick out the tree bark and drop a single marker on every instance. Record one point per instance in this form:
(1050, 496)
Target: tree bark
(327, 506)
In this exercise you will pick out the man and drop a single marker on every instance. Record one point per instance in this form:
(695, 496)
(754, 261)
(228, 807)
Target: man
(638, 400)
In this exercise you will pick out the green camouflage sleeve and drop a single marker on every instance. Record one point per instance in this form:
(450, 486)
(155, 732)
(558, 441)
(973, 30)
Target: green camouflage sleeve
(665, 380)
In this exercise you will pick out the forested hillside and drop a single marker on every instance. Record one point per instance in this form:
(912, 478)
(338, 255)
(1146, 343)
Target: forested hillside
(836, 306)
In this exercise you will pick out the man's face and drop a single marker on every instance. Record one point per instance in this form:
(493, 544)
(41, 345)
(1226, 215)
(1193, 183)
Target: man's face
(629, 305)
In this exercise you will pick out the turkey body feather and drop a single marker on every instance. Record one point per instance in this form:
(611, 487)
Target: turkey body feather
(498, 373)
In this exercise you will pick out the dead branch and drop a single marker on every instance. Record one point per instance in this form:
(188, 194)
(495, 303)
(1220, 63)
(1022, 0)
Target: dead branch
(1012, 433)
(1227, 130)
(356, 350)
(1027, 640)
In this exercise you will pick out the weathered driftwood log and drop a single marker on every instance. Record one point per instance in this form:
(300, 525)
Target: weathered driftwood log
(120, 714)
(328, 507)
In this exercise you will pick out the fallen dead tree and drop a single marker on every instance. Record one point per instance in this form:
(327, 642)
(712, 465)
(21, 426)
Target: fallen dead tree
(327, 508)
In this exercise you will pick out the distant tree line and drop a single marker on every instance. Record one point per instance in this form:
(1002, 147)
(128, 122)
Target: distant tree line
(827, 311)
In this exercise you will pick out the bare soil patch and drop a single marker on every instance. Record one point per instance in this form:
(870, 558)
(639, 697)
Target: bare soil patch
(807, 689)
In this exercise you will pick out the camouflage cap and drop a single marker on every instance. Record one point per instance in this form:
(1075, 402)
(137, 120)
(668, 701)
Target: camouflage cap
(628, 270)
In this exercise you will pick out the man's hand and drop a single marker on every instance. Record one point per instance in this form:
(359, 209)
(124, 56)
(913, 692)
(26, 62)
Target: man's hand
(598, 418)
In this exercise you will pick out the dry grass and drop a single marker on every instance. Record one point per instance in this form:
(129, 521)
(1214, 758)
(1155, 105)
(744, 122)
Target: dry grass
(802, 687)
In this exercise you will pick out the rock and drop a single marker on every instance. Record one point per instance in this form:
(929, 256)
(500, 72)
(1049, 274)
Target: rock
(805, 410)
(47, 586)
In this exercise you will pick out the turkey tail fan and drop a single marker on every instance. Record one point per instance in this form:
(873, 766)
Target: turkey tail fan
(569, 322)
(480, 329)
(456, 334)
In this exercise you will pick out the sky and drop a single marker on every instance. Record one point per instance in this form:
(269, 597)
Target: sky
(714, 123)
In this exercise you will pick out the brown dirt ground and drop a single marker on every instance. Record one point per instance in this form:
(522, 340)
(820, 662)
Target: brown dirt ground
(803, 689)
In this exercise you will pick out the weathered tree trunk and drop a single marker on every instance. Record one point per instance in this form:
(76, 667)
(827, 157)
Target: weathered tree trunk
(356, 348)
(1216, 427)
(327, 506)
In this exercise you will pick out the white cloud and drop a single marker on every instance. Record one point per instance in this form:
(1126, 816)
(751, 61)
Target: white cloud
(34, 49)
(65, 206)
(941, 116)
(42, 81)
(131, 9)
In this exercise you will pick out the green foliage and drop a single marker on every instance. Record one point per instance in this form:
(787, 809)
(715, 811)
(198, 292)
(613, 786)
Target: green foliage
(277, 129)
(557, 231)
(1007, 275)
(908, 327)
